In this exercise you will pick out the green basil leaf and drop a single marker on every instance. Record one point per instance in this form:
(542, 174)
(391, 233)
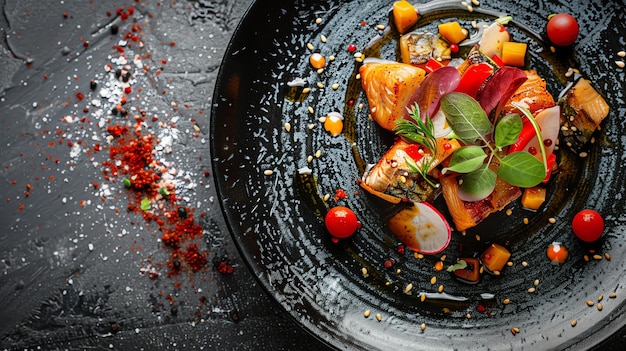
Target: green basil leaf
(466, 118)
(521, 169)
(466, 159)
(507, 130)
(477, 185)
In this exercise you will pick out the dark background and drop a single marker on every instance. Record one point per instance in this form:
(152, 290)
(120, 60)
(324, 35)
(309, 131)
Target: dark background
(70, 255)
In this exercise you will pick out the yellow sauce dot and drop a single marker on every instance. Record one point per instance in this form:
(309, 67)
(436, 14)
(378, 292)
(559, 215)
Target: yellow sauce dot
(317, 60)
(333, 124)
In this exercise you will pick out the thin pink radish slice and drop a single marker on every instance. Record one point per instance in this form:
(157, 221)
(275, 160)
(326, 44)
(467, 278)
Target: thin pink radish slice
(549, 120)
(421, 227)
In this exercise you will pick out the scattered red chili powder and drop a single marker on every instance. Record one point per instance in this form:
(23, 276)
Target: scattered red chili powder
(340, 194)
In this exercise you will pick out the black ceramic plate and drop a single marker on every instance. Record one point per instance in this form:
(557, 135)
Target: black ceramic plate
(275, 218)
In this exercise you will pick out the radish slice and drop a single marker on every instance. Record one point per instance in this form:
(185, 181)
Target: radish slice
(421, 227)
(549, 121)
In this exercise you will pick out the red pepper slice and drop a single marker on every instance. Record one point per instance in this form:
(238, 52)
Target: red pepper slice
(474, 77)
(413, 151)
(525, 136)
(497, 60)
(432, 65)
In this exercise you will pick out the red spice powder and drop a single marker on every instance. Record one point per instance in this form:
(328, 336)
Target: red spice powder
(132, 158)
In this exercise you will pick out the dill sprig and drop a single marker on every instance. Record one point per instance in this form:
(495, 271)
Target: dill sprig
(421, 132)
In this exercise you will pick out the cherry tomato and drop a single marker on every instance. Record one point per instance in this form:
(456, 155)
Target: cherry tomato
(562, 29)
(341, 222)
(588, 225)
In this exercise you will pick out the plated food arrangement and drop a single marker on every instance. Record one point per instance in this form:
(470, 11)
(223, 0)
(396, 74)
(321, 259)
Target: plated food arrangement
(420, 170)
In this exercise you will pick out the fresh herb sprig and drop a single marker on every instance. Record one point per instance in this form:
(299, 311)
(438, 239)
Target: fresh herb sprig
(483, 142)
(421, 132)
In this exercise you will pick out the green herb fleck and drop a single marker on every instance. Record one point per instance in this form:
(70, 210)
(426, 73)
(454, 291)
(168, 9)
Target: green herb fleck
(164, 191)
(145, 204)
(127, 182)
(460, 264)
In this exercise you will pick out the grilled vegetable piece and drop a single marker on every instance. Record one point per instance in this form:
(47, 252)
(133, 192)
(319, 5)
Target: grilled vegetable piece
(534, 197)
(584, 109)
(470, 274)
(417, 48)
(389, 87)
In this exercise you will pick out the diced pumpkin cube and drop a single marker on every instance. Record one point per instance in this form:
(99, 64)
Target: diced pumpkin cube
(494, 258)
(514, 54)
(532, 198)
(452, 32)
(404, 15)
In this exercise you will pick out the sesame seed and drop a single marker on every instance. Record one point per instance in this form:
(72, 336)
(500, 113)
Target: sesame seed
(509, 212)
(496, 272)
(288, 127)
(423, 297)
(310, 46)
(331, 58)
(440, 289)
(364, 271)
(398, 271)
(612, 295)
(536, 282)
(408, 288)
(477, 237)
(433, 280)
(607, 256)
(621, 53)
(443, 258)
(506, 301)
(524, 264)
(311, 110)
(525, 220)
(326, 197)
(586, 258)
(597, 257)
(463, 3)
(360, 106)
(509, 263)
(468, 316)
(380, 26)
(323, 38)
(306, 90)
(573, 323)
(268, 172)
(367, 313)
(320, 85)
(514, 330)
(423, 326)
(320, 70)
(318, 153)
(552, 220)
(379, 317)
(309, 159)
(475, 2)
(335, 86)
(600, 297)
(599, 306)
(620, 64)
(532, 290)
(311, 126)
(552, 49)
(590, 303)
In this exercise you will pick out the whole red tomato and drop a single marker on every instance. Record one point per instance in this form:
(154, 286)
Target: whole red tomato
(562, 29)
(588, 225)
(341, 222)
